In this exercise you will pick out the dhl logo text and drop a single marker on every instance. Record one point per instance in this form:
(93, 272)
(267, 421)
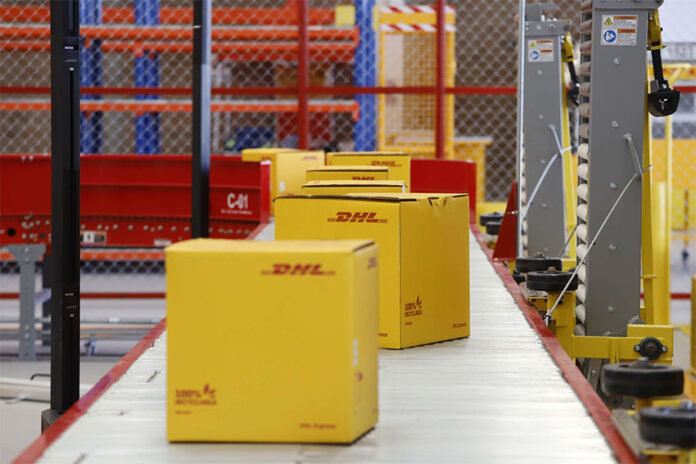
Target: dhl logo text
(386, 163)
(363, 177)
(347, 216)
(297, 269)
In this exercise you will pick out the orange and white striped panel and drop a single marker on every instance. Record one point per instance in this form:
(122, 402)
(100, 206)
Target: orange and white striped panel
(403, 27)
(413, 19)
(413, 9)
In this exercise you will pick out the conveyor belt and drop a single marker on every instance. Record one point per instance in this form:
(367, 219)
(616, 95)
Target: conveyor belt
(496, 396)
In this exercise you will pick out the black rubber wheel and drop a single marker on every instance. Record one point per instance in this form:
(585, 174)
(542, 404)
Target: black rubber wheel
(525, 264)
(519, 278)
(492, 217)
(642, 379)
(551, 281)
(493, 228)
(671, 426)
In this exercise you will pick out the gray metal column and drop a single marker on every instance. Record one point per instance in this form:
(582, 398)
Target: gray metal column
(27, 256)
(613, 107)
(542, 194)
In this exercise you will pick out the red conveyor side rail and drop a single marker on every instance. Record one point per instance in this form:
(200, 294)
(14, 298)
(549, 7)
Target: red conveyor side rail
(596, 408)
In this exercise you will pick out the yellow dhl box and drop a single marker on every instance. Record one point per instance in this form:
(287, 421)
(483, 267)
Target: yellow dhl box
(399, 164)
(288, 167)
(271, 341)
(348, 173)
(343, 187)
(424, 255)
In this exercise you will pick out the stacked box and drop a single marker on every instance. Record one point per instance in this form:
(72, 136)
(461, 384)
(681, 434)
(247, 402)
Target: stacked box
(271, 341)
(339, 187)
(399, 164)
(288, 167)
(424, 255)
(348, 173)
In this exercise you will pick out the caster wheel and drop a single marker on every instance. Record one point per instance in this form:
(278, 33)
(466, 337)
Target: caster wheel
(493, 227)
(670, 426)
(519, 278)
(493, 217)
(551, 281)
(642, 379)
(539, 262)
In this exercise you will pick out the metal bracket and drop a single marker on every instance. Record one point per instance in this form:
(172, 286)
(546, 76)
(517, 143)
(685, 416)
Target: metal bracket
(27, 256)
(636, 160)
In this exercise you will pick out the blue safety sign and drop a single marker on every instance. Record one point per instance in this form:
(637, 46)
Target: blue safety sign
(609, 36)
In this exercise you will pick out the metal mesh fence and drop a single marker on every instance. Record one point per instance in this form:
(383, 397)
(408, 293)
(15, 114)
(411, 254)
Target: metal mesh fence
(132, 45)
(679, 131)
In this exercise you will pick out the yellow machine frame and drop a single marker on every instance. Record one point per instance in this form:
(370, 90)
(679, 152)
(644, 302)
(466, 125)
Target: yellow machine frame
(615, 349)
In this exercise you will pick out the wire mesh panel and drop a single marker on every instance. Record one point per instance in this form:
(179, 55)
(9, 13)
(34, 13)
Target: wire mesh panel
(674, 138)
(407, 43)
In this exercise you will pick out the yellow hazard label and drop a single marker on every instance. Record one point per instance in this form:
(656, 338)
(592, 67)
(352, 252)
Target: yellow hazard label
(532, 44)
(608, 22)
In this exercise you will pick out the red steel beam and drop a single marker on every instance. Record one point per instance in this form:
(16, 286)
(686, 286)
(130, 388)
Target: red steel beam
(302, 74)
(440, 79)
(221, 16)
(183, 34)
(312, 90)
(185, 106)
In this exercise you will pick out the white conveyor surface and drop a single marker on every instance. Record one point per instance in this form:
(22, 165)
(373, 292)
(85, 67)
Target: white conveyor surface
(494, 397)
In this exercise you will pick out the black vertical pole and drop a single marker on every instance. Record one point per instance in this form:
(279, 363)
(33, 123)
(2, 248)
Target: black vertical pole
(65, 208)
(200, 185)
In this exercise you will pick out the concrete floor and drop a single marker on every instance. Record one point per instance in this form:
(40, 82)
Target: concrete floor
(20, 421)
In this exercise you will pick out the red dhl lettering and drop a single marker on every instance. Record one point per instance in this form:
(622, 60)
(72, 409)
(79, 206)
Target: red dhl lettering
(297, 269)
(363, 177)
(315, 425)
(385, 163)
(347, 216)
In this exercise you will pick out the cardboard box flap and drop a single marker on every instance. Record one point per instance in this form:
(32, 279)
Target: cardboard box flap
(284, 246)
(348, 168)
(368, 153)
(411, 196)
(379, 197)
(260, 154)
(354, 183)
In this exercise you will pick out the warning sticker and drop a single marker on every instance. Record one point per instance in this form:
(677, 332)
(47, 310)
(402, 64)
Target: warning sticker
(619, 30)
(540, 51)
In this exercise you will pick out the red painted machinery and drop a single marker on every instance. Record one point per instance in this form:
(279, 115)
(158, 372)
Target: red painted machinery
(132, 200)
